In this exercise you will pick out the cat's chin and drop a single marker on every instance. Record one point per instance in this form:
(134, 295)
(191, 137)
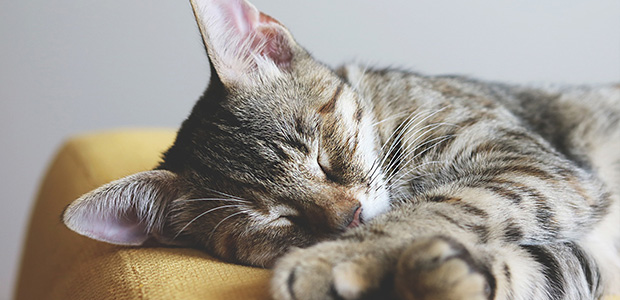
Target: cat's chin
(374, 206)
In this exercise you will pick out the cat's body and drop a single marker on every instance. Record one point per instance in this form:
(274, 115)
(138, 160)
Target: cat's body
(523, 178)
(394, 183)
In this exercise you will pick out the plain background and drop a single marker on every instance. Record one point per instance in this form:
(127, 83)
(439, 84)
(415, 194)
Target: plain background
(74, 66)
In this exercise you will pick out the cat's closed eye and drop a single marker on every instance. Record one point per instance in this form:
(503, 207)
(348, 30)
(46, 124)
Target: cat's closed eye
(295, 220)
(282, 216)
(325, 166)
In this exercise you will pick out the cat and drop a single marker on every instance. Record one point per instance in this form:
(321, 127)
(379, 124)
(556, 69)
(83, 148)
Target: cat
(361, 183)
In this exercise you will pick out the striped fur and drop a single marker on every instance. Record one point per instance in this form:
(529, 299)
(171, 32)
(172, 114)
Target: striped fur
(378, 183)
(501, 192)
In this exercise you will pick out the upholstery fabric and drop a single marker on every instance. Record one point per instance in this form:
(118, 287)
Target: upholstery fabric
(60, 264)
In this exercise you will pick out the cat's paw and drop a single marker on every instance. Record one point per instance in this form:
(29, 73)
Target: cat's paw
(440, 268)
(330, 270)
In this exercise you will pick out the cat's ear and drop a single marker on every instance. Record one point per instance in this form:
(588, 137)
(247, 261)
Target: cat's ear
(126, 211)
(243, 43)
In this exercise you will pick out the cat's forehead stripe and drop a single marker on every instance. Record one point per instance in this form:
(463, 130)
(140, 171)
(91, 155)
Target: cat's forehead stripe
(331, 104)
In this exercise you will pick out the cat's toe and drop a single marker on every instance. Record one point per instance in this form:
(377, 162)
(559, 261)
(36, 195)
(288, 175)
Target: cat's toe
(350, 281)
(440, 268)
(326, 271)
(304, 274)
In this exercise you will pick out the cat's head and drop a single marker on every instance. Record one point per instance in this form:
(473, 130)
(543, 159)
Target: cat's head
(280, 151)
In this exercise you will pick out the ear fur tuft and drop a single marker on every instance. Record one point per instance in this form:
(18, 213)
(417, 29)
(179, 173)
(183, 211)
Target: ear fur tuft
(126, 211)
(241, 41)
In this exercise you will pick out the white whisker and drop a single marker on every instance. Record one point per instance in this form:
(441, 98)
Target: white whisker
(392, 138)
(213, 199)
(414, 169)
(222, 221)
(388, 119)
(408, 127)
(429, 128)
(224, 194)
(408, 160)
(204, 213)
(405, 159)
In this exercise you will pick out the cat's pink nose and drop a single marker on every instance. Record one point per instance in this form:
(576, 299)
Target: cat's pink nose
(357, 218)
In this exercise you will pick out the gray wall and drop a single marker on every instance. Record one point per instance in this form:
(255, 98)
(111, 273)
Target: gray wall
(73, 66)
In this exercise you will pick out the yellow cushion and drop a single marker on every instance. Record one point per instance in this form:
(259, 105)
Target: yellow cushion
(60, 264)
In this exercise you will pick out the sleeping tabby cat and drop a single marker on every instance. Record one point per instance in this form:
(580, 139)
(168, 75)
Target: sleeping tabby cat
(358, 183)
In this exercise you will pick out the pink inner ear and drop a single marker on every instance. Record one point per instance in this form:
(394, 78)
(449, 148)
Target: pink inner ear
(268, 36)
(117, 230)
(276, 47)
(243, 16)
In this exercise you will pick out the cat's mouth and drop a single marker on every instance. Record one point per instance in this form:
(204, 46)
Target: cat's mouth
(357, 218)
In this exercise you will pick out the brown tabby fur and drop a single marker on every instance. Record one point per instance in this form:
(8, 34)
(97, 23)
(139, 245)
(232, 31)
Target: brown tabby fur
(376, 183)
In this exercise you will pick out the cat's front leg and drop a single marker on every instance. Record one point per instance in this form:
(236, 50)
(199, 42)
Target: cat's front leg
(442, 268)
(340, 269)
(425, 268)
(432, 258)
(363, 262)
(412, 253)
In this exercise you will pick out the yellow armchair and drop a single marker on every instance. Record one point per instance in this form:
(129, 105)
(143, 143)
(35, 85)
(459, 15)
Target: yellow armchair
(60, 264)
